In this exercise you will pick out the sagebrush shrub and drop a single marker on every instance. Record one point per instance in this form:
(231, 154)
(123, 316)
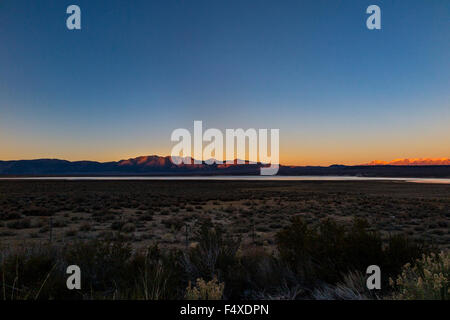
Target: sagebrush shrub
(427, 279)
(211, 290)
(328, 251)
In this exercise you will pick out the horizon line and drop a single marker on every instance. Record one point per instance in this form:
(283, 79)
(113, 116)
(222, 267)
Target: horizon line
(395, 162)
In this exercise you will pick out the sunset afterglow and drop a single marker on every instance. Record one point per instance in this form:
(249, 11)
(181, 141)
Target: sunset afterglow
(338, 92)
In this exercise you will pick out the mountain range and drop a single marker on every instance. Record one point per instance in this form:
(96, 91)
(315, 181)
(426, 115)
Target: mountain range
(156, 165)
(413, 162)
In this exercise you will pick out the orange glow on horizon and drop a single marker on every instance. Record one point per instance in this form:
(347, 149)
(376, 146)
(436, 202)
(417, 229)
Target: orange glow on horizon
(291, 160)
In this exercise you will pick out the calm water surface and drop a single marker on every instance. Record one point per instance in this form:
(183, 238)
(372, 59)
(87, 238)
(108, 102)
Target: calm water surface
(246, 178)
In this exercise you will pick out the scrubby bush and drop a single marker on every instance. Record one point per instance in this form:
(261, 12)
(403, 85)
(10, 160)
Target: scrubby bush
(9, 216)
(427, 279)
(37, 212)
(31, 273)
(157, 276)
(325, 261)
(71, 233)
(85, 227)
(19, 224)
(128, 227)
(326, 252)
(261, 275)
(117, 225)
(175, 223)
(110, 270)
(353, 287)
(211, 290)
(103, 263)
(213, 255)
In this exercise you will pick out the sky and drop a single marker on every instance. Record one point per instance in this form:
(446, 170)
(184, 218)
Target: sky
(338, 92)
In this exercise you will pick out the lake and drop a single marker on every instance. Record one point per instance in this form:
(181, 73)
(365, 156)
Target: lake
(243, 178)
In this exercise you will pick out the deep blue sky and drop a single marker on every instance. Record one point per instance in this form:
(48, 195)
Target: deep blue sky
(338, 92)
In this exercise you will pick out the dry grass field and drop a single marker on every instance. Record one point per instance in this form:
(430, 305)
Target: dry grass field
(169, 212)
(227, 239)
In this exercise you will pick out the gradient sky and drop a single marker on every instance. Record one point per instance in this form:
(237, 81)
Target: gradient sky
(338, 92)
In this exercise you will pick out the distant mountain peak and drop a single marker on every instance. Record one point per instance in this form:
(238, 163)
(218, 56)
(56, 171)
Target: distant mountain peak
(412, 162)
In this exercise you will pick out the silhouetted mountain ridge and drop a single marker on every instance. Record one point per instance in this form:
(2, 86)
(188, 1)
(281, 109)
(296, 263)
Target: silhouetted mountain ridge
(156, 165)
